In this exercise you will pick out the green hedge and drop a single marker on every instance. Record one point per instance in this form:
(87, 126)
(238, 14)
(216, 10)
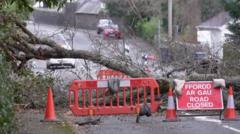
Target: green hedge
(231, 59)
(34, 92)
(147, 29)
(7, 117)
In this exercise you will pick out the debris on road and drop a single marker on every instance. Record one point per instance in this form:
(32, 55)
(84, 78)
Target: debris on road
(89, 122)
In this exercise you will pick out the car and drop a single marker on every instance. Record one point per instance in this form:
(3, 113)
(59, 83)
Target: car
(60, 63)
(102, 24)
(63, 63)
(111, 32)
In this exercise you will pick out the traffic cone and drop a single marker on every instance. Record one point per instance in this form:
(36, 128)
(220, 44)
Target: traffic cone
(171, 111)
(50, 110)
(230, 113)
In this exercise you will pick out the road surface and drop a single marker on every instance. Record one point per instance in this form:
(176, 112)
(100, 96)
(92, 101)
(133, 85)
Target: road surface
(126, 124)
(155, 125)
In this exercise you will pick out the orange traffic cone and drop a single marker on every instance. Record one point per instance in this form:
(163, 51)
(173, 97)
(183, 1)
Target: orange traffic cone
(50, 110)
(171, 111)
(230, 113)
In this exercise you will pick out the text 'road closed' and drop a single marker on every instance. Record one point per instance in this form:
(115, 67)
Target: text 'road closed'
(199, 95)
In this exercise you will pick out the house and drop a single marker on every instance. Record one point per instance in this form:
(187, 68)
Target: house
(78, 13)
(213, 33)
(88, 14)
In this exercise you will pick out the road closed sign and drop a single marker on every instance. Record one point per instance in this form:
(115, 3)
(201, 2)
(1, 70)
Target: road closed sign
(200, 95)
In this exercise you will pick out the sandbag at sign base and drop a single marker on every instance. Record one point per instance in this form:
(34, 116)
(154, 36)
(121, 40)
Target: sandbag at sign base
(178, 85)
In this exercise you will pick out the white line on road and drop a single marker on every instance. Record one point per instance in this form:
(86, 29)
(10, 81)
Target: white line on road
(231, 128)
(218, 122)
(65, 41)
(208, 119)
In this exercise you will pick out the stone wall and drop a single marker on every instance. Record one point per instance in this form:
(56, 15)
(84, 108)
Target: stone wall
(48, 16)
(86, 21)
(69, 16)
(66, 17)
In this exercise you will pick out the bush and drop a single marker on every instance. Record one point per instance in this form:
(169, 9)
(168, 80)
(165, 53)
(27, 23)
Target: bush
(231, 59)
(147, 29)
(31, 89)
(23, 87)
(7, 117)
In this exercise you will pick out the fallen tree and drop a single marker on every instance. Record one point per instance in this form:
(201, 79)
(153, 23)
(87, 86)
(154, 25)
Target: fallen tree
(23, 46)
(20, 45)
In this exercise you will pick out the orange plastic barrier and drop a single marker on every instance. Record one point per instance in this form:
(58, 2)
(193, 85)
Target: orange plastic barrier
(91, 97)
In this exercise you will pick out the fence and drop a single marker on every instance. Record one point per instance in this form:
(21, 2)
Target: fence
(93, 97)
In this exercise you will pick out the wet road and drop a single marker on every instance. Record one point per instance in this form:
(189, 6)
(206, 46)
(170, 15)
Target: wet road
(155, 125)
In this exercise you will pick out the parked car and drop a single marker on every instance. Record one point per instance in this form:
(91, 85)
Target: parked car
(102, 24)
(112, 32)
(62, 63)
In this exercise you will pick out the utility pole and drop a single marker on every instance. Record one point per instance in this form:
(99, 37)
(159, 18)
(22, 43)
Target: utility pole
(159, 32)
(170, 19)
(159, 28)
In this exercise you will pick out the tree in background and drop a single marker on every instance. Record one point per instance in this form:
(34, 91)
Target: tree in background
(232, 46)
(137, 9)
(137, 12)
(190, 13)
(209, 8)
(184, 22)
(138, 15)
(233, 7)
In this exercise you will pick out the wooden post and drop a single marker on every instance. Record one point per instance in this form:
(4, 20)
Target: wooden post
(170, 19)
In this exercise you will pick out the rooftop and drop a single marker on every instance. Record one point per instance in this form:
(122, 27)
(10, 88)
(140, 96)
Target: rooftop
(91, 7)
(216, 21)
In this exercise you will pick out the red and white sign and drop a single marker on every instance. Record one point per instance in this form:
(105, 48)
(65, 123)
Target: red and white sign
(200, 95)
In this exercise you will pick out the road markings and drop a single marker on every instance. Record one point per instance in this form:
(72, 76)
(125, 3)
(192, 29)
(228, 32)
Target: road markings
(65, 41)
(231, 128)
(204, 118)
